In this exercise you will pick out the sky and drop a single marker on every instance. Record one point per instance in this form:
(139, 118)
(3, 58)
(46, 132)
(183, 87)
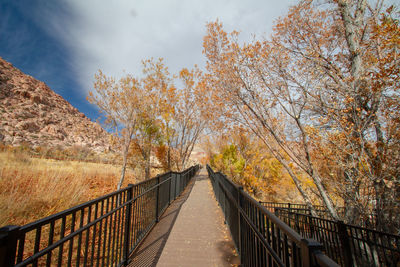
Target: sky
(65, 42)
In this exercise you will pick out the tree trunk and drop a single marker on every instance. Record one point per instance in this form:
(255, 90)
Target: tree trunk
(325, 197)
(147, 166)
(123, 169)
(147, 170)
(297, 182)
(169, 158)
(289, 170)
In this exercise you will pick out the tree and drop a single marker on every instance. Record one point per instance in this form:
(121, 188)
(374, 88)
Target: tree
(146, 113)
(323, 89)
(119, 102)
(181, 120)
(248, 101)
(352, 98)
(188, 121)
(156, 87)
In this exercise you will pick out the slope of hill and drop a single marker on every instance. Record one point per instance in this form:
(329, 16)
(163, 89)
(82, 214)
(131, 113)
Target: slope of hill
(198, 155)
(31, 113)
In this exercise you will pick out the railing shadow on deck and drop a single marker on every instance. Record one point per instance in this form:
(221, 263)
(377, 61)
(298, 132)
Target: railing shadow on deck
(149, 252)
(100, 232)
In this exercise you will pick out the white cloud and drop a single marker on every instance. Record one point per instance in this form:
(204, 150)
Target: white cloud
(116, 35)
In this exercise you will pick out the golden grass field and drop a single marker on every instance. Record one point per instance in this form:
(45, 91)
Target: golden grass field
(32, 188)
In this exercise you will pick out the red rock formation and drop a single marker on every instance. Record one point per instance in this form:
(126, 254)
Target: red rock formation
(32, 113)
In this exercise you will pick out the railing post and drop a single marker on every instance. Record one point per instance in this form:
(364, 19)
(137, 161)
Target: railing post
(219, 193)
(128, 216)
(186, 179)
(8, 245)
(239, 205)
(157, 198)
(308, 246)
(177, 177)
(276, 212)
(345, 244)
(297, 223)
(173, 180)
(311, 226)
(183, 181)
(169, 190)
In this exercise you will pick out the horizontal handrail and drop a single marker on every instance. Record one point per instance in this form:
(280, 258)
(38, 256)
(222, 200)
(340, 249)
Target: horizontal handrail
(67, 238)
(347, 244)
(59, 215)
(254, 228)
(150, 189)
(293, 234)
(261, 238)
(284, 227)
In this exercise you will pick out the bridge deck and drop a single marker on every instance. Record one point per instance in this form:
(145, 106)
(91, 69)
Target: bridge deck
(191, 232)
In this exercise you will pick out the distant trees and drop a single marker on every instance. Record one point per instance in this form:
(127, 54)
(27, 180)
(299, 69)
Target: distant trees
(150, 115)
(243, 158)
(322, 95)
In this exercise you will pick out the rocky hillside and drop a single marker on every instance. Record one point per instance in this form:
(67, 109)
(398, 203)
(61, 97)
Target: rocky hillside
(31, 113)
(198, 155)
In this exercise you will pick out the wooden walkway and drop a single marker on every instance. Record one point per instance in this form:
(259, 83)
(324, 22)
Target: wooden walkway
(191, 232)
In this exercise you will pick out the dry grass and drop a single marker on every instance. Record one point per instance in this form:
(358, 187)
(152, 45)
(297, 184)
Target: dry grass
(32, 188)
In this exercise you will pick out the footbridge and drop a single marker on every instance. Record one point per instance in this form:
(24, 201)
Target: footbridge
(190, 218)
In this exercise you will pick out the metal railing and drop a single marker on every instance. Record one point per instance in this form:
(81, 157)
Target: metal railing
(287, 205)
(346, 244)
(260, 237)
(321, 211)
(101, 232)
